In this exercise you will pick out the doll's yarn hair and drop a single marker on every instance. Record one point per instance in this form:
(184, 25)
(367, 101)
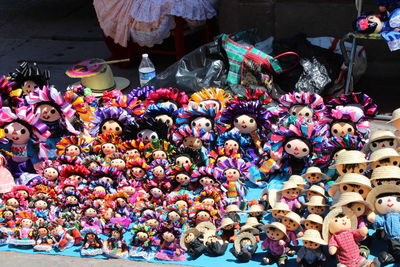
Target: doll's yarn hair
(192, 154)
(67, 141)
(165, 227)
(360, 100)
(252, 95)
(137, 162)
(145, 123)
(141, 228)
(69, 170)
(131, 104)
(22, 214)
(42, 189)
(198, 207)
(132, 144)
(209, 192)
(164, 164)
(182, 195)
(67, 160)
(49, 164)
(44, 197)
(105, 114)
(211, 93)
(362, 25)
(66, 183)
(142, 93)
(214, 155)
(110, 172)
(15, 195)
(158, 109)
(236, 163)
(157, 145)
(105, 139)
(184, 131)
(188, 114)
(186, 168)
(203, 171)
(62, 198)
(17, 188)
(29, 72)
(236, 136)
(168, 94)
(7, 93)
(254, 109)
(100, 183)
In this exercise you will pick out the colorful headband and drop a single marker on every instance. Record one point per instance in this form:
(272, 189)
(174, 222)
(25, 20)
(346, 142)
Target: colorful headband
(90, 230)
(142, 93)
(186, 131)
(80, 101)
(21, 215)
(67, 160)
(183, 195)
(97, 195)
(100, 183)
(137, 162)
(132, 144)
(93, 158)
(69, 170)
(236, 163)
(200, 172)
(48, 164)
(188, 114)
(17, 188)
(68, 141)
(133, 130)
(236, 136)
(212, 93)
(110, 172)
(113, 197)
(110, 113)
(252, 95)
(153, 111)
(105, 139)
(197, 207)
(360, 100)
(15, 195)
(183, 168)
(8, 96)
(209, 192)
(159, 162)
(26, 72)
(132, 104)
(66, 183)
(168, 94)
(158, 145)
(44, 197)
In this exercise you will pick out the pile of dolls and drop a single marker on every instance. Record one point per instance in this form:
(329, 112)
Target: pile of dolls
(173, 170)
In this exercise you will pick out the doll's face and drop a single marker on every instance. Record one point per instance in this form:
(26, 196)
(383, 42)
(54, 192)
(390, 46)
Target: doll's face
(49, 113)
(310, 244)
(314, 177)
(50, 173)
(208, 201)
(90, 212)
(169, 237)
(182, 160)
(228, 227)
(311, 194)
(290, 224)
(159, 172)
(390, 161)
(17, 133)
(202, 123)
(297, 148)
(75, 178)
(210, 103)
(26, 223)
(203, 216)
(206, 181)
(8, 215)
(168, 104)
(130, 190)
(165, 119)
(339, 224)
(156, 192)
(173, 216)
(362, 190)
(182, 178)
(274, 234)
(312, 225)
(319, 210)
(153, 223)
(231, 145)
(118, 164)
(111, 127)
(384, 205)
(72, 200)
(182, 203)
(277, 214)
(69, 188)
(189, 238)
(72, 151)
(90, 237)
(291, 193)
(41, 204)
(300, 111)
(359, 168)
(23, 193)
(58, 230)
(93, 165)
(13, 202)
(108, 148)
(138, 172)
(133, 153)
(375, 19)
(245, 242)
(99, 203)
(116, 234)
(106, 179)
(192, 142)
(42, 231)
(340, 129)
(232, 174)
(385, 181)
(28, 87)
(159, 154)
(142, 236)
(245, 124)
(121, 202)
(147, 135)
(357, 208)
(391, 143)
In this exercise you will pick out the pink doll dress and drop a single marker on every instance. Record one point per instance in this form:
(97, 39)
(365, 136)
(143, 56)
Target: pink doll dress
(168, 253)
(6, 179)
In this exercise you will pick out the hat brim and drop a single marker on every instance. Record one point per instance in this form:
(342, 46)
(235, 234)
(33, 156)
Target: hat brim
(273, 196)
(206, 225)
(121, 83)
(325, 226)
(190, 230)
(344, 203)
(381, 189)
(264, 228)
(207, 234)
(241, 236)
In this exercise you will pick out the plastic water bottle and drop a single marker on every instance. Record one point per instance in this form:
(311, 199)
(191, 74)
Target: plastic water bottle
(146, 70)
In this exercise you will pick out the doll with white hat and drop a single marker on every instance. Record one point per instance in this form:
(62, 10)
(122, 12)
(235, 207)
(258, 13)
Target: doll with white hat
(354, 182)
(190, 242)
(251, 227)
(255, 210)
(292, 222)
(381, 139)
(231, 211)
(275, 242)
(316, 205)
(245, 246)
(395, 121)
(290, 194)
(310, 254)
(215, 245)
(314, 176)
(386, 201)
(312, 221)
(385, 175)
(298, 180)
(263, 200)
(228, 228)
(278, 210)
(314, 190)
(384, 157)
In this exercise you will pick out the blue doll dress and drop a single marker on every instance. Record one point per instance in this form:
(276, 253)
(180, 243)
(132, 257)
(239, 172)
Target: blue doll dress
(388, 33)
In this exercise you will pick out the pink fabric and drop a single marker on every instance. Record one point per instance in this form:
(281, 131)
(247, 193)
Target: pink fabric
(348, 252)
(273, 246)
(6, 180)
(291, 203)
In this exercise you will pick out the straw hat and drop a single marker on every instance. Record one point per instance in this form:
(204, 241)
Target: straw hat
(395, 115)
(383, 153)
(315, 218)
(96, 75)
(276, 195)
(332, 214)
(232, 208)
(279, 206)
(248, 227)
(210, 233)
(290, 185)
(379, 135)
(349, 197)
(386, 172)
(387, 188)
(317, 189)
(256, 208)
(355, 178)
(205, 226)
(242, 236)
(349, 157)
(227, 221)
(313, 236)
(297, 179)
(186, 233)
(318, 201)
(252, 221)
(294, 217)
(314, 170)
(276, 225)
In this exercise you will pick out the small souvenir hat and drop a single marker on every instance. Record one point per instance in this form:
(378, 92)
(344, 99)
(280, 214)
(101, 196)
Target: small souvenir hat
(290, 185)
(297, 179)
(386, 172)
(276, 225)
(349, 157)
(252, 221)
(275, 195)
(242, 236)
(379, 135)
(331, 215)
(381, 189)
(316, 189)
(209, 234)
(226, 222)
(294, 217)
(205, 226)
(355, 178)
(313, 236)
(316, 170)
(255, 208)
(97, 75)
(193, 231)
(314, 218)
(280, 206)
(395, 115)
(247, 227)
(318, 201)
(232, 208)
(349, 197)
(383, 153)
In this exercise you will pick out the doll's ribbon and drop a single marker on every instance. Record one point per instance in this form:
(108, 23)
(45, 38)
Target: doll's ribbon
(16, 93)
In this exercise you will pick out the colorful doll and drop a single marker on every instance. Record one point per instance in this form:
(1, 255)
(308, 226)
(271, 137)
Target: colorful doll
(159, 149)
(206, 118)
(233, 141)
(91, 218)
(117, 161)
(115, 246)
(182, 177)
(245, 246)
(73, 146)
(255, 210)
(275, 242)
(107, 174)
(130, 103)
(316, 205)
(142, 242)
(385, 200)
(76, 174)
(170, 249)
(92, 162)
(55, 113)
(152, 219)
(210, 196)
(14, 200)
(199, 213)
(132, 148)
(147, 130)
(7, 217)
(187, 155)
(314, 176)
(277, 210)
(24, 137)
(92, 243)
(191, 243)
(381, 139)
(395, 120)
(43, 237)
(137, 170)
(214, 244)
(120, 204)
(163, 114)
(292, 222)
(101, 185)
(62, 239)
(160, 172)
(6, 178)
(289, 195)
(23, 234)
(310, 254)
(70, 201)
(24, 191)
(231, 211)
(205, 177)
(385, 175)
(314, 222)
(315, 190)
(228, 229)
(82, 101)
(214, 97)
(50, 170)
(110, 120)
(297, 146)
(106, 144)
(384, 157)
(340, 228)
(168, 97)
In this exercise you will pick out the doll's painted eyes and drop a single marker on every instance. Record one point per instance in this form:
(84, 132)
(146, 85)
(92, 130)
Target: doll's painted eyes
(391, 143)
(361, 191)
(23, 131)
(395, 162)
(335, 131)
(52, 111)
(104, 127)
(307, 114)
(380, 201)
(236, 120)
(288, 145)
(374, 145)
(117, 128)
(345, 188)
(6, 131)
(349, 130)
(251, 120)
(304, 149)
(140, 135)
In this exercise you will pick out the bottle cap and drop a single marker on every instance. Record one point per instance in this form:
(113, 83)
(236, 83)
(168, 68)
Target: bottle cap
(145, 55)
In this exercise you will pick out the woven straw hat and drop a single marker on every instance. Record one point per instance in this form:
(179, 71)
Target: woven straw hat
(371, 198)
(315, 218)
(314, 170)
(273, 196)
(383, 153)
(316, 189)
(232, 208)
(256, 208)
(289, 185)
(205, 226)
(297, 179)
(355, 178)
(210, 233)
(276, 225)
(318, 201)
(252, 221)
(280, 206)
(395, 115)
(349, 157)
(294, 217)
(188, 231)
(349, 197)
(241, 236)
(247, 227)
(227, 221)
(379, 135)
(313, 236)
(385, 172)
(332, 214)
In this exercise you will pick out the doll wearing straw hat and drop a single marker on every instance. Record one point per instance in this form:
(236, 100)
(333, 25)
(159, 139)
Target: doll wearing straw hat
(311, 255)
(190, 242)
(292, 222)
(386, 201)
(278, 210)
(314, 222)
(314, 176)
(354, 182)
(315, 190)
(215, 245)
(395, 121)
(381, 139)
(289, 195)
(316, 205)
(228, 228)
(256, 210)
(385, 175)
(245, 246)
(275, 243)
(231, 211)
(384, 157)
(251, 227)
